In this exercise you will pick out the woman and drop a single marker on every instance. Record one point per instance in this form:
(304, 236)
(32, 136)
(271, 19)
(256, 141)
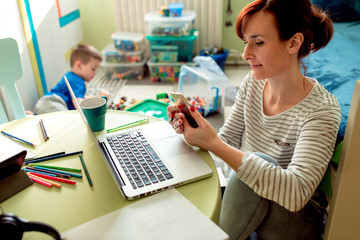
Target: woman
(281, 132)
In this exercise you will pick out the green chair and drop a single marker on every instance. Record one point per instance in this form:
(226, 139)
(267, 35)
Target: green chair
(10, 71)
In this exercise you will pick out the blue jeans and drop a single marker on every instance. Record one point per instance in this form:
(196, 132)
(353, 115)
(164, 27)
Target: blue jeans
(244, 212)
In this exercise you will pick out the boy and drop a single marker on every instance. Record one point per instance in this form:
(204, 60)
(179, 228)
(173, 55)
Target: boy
(84, 61)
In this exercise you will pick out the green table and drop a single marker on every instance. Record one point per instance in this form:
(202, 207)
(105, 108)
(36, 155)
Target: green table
(72, 205)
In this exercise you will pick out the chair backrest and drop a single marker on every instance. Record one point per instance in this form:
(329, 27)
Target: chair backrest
(10, 71)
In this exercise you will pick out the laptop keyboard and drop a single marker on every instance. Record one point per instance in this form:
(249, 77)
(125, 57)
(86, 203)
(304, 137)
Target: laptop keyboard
(138, 159)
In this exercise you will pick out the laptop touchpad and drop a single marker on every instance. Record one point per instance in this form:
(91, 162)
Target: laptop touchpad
(172, 146)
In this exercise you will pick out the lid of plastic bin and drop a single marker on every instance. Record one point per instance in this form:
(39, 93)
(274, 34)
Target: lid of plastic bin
(136, 37)
(186, 16)
(111, 48)
(209, 64)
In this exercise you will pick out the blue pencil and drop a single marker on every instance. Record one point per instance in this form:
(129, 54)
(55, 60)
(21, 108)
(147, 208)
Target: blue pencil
(30, 170)
(54, 156)
(19, 139)
(58, 171)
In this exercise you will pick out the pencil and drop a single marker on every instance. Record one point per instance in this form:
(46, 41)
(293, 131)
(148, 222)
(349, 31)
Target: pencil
(56, 167)
(48, 171)
(34, 171)
(58, 171)
(51, 155)
(54, 178)
(141, 121)
(46, 137)
(19, 139)
(58, 185)
(85, 169)
(45, 183)
(41, 159)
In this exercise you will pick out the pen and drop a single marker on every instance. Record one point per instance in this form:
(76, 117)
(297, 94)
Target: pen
(56, 167)
(141, 121)
(85, 169)
(46, 137)
(19, 139)
(41, 159)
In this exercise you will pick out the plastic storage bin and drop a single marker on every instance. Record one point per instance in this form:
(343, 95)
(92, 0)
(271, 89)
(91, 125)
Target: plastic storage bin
(184, 44)
(166, 72)
(128, 41)
(220, 59)
(175, 9)
(152, 108)
(113, 55)
(158, 25)
(164, 53)
(205, 89)
(123, 70)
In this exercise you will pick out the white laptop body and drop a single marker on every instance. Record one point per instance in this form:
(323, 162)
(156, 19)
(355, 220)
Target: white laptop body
(181, 160)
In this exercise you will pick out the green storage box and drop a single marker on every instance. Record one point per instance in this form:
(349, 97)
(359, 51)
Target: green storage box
(150, 107)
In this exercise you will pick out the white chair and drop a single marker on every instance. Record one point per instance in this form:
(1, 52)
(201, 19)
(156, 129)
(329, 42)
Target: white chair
(10, 71)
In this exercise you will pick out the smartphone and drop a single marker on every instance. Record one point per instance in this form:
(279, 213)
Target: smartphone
(180, 99)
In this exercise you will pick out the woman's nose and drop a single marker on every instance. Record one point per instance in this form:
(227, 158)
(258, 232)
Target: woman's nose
(247, 53)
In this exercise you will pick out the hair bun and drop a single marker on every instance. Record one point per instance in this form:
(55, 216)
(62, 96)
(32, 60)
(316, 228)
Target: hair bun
(323, 29)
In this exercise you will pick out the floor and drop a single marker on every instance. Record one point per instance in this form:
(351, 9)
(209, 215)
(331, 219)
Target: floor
(145, 89)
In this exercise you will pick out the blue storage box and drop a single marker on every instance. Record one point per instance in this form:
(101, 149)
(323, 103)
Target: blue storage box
(220, 59)
(175, 9)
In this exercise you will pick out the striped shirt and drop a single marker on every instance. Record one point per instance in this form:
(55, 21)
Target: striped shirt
(301, 139)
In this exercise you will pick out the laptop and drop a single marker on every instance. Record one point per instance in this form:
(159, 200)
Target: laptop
(149, 158)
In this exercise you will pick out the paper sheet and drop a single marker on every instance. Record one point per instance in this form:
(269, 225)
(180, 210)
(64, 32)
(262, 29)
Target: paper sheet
(9, 148)
(165, 215)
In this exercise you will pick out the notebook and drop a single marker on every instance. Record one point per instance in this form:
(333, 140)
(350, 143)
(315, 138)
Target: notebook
(165, 160)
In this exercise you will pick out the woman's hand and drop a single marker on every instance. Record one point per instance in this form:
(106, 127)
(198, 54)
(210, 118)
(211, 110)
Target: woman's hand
(204, 136)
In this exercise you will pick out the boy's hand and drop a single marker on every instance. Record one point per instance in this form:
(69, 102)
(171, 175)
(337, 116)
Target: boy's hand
(104, 93)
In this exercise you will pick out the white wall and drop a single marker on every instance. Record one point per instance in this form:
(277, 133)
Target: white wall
(11, 26)
(54, 43)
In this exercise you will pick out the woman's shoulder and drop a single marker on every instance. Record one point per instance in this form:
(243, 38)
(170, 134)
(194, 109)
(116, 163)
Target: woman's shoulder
(321, 95)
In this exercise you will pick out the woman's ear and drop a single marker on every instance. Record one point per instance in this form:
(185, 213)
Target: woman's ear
(295, 43)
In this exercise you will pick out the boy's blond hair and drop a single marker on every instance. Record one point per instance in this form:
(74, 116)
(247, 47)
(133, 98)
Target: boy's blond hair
(84, 53)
